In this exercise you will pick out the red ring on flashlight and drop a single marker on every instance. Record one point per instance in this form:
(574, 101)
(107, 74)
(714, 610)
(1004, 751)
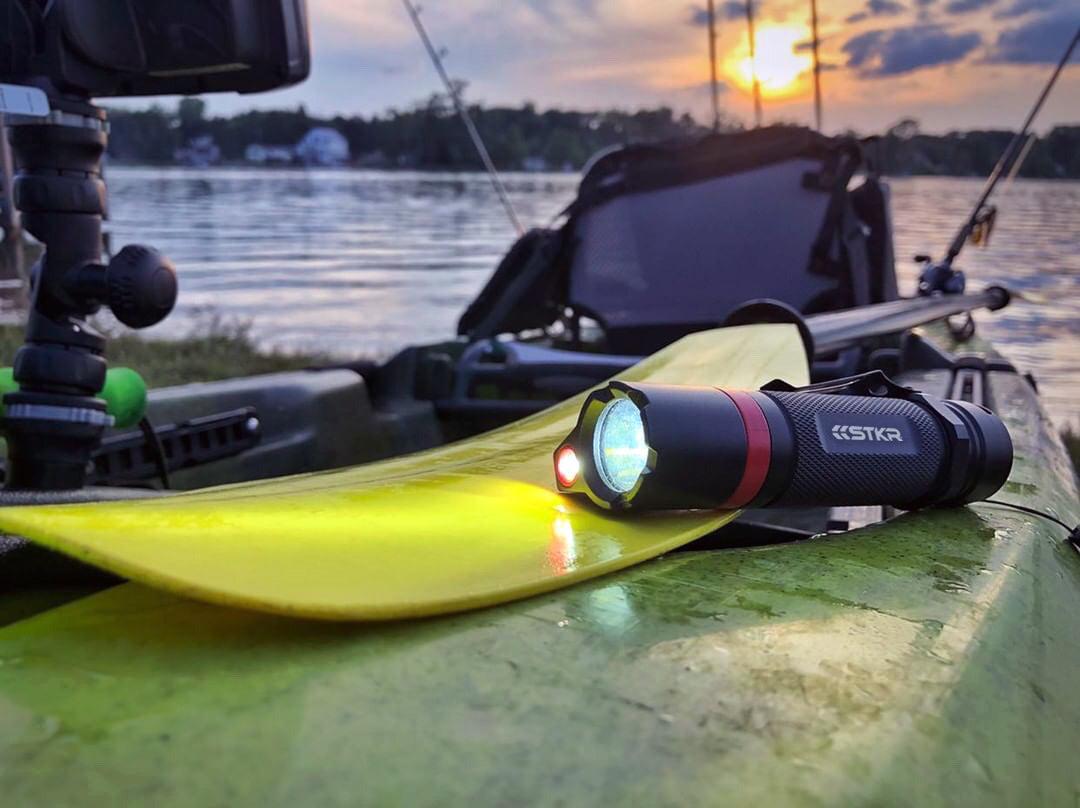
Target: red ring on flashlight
(758, 449)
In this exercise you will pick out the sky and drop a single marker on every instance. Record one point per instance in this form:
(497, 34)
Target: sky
(951, 64)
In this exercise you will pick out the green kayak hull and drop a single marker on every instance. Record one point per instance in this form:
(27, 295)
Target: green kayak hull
(929, 660)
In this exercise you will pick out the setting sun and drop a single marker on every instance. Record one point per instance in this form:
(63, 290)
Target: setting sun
(778, 64)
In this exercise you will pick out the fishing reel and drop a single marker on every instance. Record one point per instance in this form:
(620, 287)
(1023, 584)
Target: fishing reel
(939, 278)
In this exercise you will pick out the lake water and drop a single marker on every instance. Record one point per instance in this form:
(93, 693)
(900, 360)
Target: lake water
(363, 263)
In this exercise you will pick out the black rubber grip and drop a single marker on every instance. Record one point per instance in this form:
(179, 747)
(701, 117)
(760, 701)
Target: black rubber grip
(860, 450)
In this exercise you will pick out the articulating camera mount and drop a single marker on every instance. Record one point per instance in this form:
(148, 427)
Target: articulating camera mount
(55, 421)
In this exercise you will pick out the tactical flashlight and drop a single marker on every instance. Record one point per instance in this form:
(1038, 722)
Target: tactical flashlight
(858, 441)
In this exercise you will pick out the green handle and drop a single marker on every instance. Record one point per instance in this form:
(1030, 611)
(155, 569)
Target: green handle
(124, 394)
(7, 384)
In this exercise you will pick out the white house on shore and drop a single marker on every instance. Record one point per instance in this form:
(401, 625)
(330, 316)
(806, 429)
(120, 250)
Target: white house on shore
(323, 146)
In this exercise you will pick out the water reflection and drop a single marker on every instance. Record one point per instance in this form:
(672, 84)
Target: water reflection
(362, 263)
(562, 550)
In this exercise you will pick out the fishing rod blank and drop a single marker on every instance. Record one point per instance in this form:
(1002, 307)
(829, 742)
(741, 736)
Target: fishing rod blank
(466, 118)
(714, 81)
(1018, 163)
(753, 62)
(836, 330)
(815, 41)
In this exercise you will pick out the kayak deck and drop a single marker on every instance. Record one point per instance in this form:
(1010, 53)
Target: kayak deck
(928, 660)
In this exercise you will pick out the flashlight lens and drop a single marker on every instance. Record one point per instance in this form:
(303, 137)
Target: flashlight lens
(619, 447)
(567, 466)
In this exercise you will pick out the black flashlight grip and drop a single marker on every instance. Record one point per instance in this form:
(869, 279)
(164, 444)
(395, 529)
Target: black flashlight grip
(860, 450)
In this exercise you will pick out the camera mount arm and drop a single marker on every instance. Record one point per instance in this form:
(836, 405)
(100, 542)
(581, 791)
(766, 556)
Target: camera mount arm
(55, 421)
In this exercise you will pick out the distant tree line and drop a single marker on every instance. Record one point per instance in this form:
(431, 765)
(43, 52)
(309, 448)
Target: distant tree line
(904, 150)
(430, 136)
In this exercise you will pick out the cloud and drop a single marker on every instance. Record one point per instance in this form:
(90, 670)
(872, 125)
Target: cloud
(880, 53)
(557, 13)
(877, 8)
(1018, 8)
(967, 6)
(885, 8)
(924, 9)
(733, 10)
(1041, 41)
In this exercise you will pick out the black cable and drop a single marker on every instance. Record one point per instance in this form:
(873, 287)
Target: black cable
(154, 442)
(1074, 532)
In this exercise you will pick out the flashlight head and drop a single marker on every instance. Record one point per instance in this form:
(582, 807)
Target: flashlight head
(655, 446)
(610, 452)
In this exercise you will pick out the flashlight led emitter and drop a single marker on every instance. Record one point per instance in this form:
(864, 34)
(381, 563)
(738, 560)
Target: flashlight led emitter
(619, 447)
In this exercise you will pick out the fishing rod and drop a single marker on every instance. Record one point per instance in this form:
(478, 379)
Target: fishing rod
(1019, 162)
(1007, 156)
(828, 332)
(817, 64)
(822, 334)
(834, 331)
(712, 66)
(466, 118)
(753, 62)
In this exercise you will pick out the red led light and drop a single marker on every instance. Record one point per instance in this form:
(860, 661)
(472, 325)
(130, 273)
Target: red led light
(567, 466)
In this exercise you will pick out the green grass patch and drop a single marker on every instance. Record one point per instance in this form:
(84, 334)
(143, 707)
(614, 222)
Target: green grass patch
(213, 350)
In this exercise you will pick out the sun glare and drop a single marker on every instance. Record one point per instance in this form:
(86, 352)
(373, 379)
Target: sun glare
(779, 65)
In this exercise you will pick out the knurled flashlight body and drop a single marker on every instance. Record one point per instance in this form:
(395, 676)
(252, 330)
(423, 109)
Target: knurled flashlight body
(861, 441)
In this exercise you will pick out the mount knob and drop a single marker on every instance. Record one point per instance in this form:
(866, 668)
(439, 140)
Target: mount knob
(142, 286)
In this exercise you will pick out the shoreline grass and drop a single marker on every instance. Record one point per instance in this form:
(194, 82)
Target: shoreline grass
(212, 351)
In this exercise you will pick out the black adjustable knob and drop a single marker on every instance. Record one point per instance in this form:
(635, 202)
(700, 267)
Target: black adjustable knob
(141, 286)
